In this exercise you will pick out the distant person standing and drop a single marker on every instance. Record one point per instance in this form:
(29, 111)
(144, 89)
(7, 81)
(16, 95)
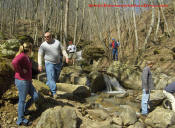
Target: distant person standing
(72, 52)
(115, 46)
(147, 85)
(51, 49)
(23, 80)
(168, 92)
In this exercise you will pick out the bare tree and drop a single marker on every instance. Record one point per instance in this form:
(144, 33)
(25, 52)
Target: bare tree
(151, 26)
(76, 22)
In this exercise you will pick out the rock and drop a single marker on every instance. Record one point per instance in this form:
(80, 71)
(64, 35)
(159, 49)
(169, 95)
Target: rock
(11, 94)
(58, 117)
(9, 48)
(128, 116)
(98, 114)
(137, 125)
(77, 90)
(160, 118)
(129, 76)
(156, 97)
(160, 81)
(117, 120)
(93, 52)
(41, 87)
(72, 75)
(97, 82)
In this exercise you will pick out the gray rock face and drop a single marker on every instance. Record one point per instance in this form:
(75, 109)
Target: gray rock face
(58, 117)
(161, 118)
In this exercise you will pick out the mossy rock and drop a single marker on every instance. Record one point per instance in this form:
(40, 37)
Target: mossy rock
(9, 48)
(93, 52)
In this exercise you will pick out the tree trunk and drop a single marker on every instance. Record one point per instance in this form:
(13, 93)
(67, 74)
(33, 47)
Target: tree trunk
(158, 24)
(151, 27)
(66, 21)
(76, 22)
(135, 26)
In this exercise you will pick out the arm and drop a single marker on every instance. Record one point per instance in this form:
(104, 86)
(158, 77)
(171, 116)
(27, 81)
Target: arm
(64, 53)
(18, 66)
(40, 56)
(145, 78)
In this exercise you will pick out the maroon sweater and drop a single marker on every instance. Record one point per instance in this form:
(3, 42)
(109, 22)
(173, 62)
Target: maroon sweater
(21, 62)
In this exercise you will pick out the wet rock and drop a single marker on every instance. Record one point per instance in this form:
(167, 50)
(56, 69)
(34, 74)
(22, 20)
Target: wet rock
(58, 117)
(129, 76)
(97, 82)
(161, 118)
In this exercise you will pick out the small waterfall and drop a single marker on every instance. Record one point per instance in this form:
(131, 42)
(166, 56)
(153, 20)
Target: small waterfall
(112, 85)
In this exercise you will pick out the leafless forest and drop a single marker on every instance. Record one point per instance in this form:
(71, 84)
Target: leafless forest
(75, 19)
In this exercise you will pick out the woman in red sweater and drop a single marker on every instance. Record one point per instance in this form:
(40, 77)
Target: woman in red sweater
(23, 80)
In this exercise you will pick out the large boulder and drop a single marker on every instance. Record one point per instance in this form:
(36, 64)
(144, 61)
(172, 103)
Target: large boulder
(156, 97)
(92, 52)
(161, 118)
(129, 76)
(9, 48)
(72, 75)
(77, 90)
(58, 117)
(128, 116)
(97, 82)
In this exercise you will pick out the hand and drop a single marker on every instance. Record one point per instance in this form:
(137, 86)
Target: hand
(67, 60)
(40, 68)
(25, 71)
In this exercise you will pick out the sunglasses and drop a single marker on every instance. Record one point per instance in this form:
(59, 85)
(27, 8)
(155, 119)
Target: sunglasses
(47, 36)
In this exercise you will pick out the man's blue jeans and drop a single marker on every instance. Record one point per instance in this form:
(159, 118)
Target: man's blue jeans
(115, 54)
(25, 87)
(145, 101)
(53, 72)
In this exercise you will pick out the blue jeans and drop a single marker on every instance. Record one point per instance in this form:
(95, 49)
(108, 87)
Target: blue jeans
(25, 87)
(145, 101)
(53, 72)
(115, 54)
